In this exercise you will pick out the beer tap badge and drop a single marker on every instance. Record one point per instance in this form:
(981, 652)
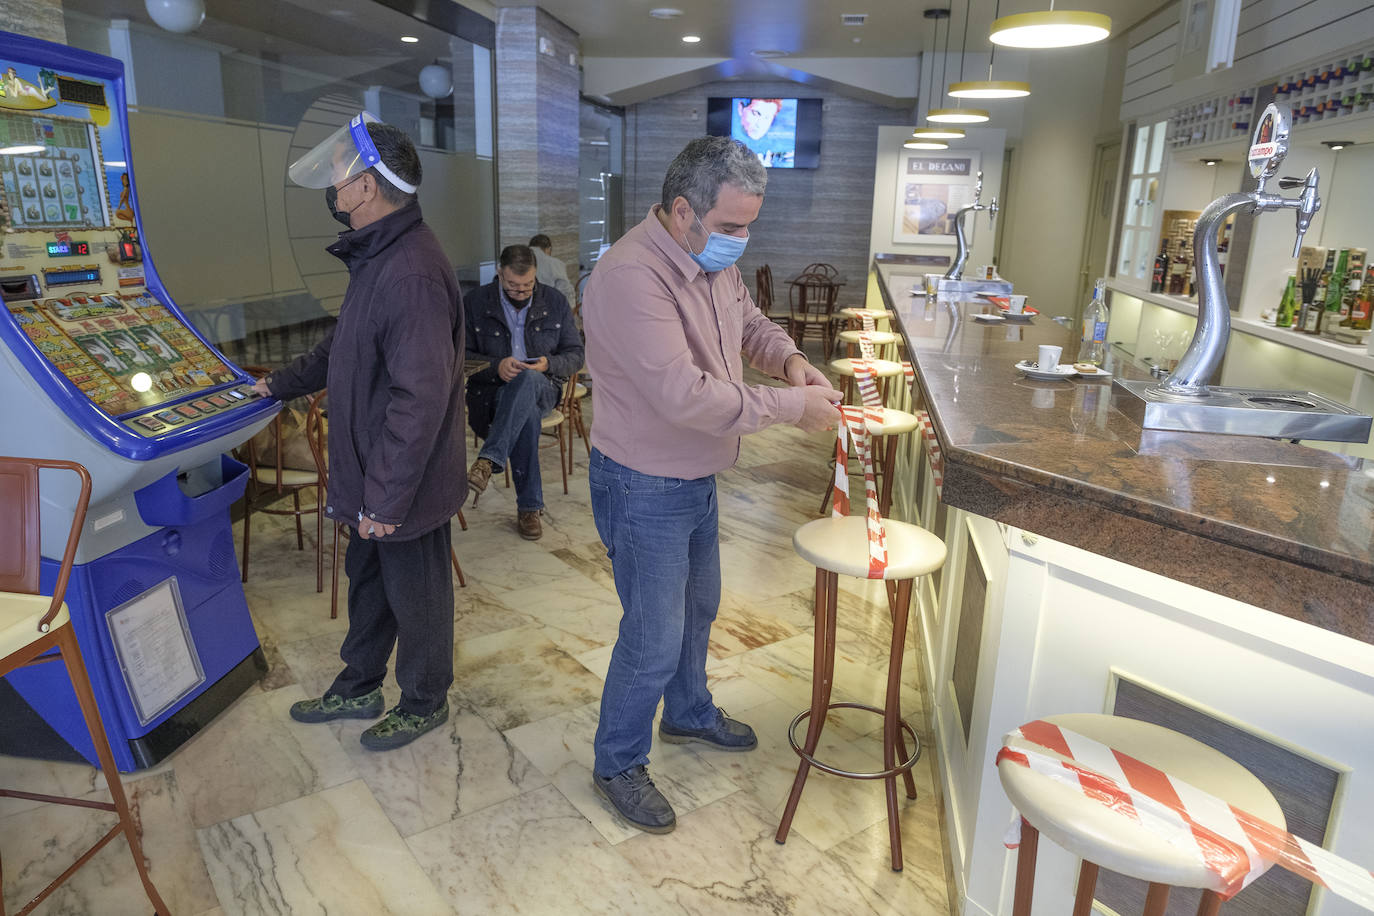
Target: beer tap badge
(1270, 144)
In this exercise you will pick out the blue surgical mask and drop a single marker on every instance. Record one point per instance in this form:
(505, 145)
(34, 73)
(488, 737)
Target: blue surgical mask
(720, 250)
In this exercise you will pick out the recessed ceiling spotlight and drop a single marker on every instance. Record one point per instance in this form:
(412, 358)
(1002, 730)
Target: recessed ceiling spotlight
(410, 39)
(1209, 161)
(665, 12)
(691, 39)
(856, 39)
(768, 53)
(1334, 145)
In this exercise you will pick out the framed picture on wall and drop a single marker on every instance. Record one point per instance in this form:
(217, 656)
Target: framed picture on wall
(932, 186)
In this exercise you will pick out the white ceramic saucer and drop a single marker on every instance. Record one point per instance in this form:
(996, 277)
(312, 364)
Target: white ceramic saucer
(1063, 370)
(992, 319)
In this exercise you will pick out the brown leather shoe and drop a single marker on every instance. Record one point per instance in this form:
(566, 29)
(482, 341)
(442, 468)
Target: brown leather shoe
(530, 528)
(478, 476)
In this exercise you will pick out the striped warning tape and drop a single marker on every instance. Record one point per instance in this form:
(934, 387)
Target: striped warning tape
(1235, 846)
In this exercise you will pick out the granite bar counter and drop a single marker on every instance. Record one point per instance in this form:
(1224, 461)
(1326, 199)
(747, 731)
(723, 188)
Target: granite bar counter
(1221, 586)
(1280, 525)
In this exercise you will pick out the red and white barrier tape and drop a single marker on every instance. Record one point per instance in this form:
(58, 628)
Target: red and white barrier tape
(854, 422)
(1235, 846)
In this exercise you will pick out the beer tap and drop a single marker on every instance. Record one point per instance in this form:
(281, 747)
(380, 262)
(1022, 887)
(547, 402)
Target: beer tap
(956, 270)
(1208, 345)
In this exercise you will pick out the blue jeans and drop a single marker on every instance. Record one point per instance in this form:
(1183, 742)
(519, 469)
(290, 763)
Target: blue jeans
(514, 434)
(661, 536)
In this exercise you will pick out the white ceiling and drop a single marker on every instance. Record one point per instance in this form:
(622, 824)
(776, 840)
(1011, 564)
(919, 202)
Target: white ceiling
(805, 28)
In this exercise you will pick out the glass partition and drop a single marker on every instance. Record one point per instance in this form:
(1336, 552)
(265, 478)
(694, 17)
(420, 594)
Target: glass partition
(217, 115)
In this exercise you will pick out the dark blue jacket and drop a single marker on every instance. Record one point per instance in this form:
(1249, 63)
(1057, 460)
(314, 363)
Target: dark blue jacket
(550, 331)
(394, 367)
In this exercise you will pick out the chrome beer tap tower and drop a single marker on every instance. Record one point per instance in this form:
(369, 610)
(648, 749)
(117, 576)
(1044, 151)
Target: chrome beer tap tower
(953, 285)
(1184, 401)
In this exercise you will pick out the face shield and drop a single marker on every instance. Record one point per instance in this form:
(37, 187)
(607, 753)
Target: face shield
(345, 153)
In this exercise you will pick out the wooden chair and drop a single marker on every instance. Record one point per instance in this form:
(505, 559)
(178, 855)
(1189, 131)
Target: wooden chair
(573, 394)
(35, 629)
(317, 434)
(828, 271)
(270, 480)
(811, 304)
(556, 420)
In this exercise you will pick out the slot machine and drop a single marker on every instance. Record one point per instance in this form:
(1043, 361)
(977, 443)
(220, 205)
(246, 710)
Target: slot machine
(98, 365)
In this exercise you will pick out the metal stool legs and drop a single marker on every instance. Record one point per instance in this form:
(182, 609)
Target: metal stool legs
(895, 758)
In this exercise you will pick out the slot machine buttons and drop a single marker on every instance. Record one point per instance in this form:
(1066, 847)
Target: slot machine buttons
(187, 411)
(169, 416)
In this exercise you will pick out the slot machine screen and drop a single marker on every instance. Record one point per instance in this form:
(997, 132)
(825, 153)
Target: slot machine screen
(52, 172)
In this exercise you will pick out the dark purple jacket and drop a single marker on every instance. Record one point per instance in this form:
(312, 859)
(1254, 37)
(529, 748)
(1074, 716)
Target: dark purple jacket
(394, 368)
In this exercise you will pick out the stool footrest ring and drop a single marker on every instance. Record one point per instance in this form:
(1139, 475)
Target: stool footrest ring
(900, 767)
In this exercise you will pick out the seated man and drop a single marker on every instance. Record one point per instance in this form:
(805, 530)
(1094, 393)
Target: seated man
(527, 334)
(550, 270)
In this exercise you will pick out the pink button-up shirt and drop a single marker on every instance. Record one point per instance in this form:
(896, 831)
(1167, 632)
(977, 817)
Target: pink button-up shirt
(663, 348)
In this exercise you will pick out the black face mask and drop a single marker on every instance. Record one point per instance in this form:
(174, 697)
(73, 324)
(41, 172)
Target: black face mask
(331, 200)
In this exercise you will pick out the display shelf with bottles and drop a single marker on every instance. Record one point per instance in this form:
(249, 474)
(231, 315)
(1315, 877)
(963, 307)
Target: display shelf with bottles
(1216, 119)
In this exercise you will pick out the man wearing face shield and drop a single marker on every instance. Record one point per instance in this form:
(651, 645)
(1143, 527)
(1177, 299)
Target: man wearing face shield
(525, 331)
(667, 316)
(394, 368)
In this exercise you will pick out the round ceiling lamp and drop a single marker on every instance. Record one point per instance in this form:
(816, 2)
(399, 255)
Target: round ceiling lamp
(958, 115)
(938, 133)
(989, 89)
(1050, 29)
(915, 143)
(436, 81)
(180, 16)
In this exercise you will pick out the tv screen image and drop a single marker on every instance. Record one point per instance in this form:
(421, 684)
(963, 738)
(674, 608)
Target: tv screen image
(783, 133)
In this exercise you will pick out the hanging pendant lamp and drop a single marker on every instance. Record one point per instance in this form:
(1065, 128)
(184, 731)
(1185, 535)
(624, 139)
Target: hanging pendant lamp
(938, 133)
(959, 115)
(1050, 29)
(918, 143)
(988, 88)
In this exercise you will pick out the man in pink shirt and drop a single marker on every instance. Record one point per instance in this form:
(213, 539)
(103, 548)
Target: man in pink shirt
(666, 316)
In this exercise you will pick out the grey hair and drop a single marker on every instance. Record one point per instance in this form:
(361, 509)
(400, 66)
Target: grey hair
(707, 163)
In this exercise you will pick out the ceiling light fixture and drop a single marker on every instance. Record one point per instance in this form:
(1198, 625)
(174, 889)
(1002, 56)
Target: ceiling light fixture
(1334, 145)
(989, 89)
(691, 39)
(939, 133)
(436, 81)
(665, 12)
(180, 16)
(410, 39)
(1209, 161)
(959, 114)
(1050, 29)
(925, 144)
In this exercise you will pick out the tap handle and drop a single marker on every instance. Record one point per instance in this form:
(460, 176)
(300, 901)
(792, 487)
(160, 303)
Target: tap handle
(1307, 204)
(992, 211)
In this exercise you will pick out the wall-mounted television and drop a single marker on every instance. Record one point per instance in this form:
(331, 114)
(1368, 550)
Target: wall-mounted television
(783, 133)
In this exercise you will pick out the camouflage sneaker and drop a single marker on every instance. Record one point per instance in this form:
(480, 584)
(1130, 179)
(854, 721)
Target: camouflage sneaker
(331, 706)
(399, 728)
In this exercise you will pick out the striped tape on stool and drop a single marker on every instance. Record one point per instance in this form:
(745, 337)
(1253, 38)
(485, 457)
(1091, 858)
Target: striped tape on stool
(1233, 845)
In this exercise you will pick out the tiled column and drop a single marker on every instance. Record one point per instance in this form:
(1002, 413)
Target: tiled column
(537, 84)
(38, 18)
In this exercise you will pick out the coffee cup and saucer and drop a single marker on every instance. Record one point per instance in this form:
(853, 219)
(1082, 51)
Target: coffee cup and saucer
(1046, 367)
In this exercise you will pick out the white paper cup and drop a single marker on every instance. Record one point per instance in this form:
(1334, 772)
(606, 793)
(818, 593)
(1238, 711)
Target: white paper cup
(1048, 357)
(1016, 305)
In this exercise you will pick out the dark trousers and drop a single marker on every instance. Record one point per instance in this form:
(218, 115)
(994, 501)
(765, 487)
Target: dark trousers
(400, 594)
(514, 434)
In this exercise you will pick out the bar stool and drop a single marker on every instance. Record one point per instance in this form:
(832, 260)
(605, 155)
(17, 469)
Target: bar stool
(857, 315)
(839, 546)
(884, 342)
(894, 425)
(1104, 838)
(883, 368)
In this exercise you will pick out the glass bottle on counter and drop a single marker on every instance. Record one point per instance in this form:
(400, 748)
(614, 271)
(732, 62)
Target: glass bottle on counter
(1161, 269)
(1287, 305)
(1092, 346)
(1178, 270)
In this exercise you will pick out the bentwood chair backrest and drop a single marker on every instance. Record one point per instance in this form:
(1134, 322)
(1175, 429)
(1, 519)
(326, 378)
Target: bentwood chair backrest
(21, 542)
(763, 286)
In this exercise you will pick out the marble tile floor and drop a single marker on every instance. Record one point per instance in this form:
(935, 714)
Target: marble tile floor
(494, 812)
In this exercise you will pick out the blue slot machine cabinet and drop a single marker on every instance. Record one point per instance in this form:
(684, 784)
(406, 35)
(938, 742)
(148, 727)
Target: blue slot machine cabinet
(98, 365)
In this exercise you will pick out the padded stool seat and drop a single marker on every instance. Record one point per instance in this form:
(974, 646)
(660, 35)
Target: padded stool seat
(19, 617)
(885, 368)
(859, 314)
(1104, 838)
(290, 477)
(894, 423)
(840, 545)
(879, 338)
